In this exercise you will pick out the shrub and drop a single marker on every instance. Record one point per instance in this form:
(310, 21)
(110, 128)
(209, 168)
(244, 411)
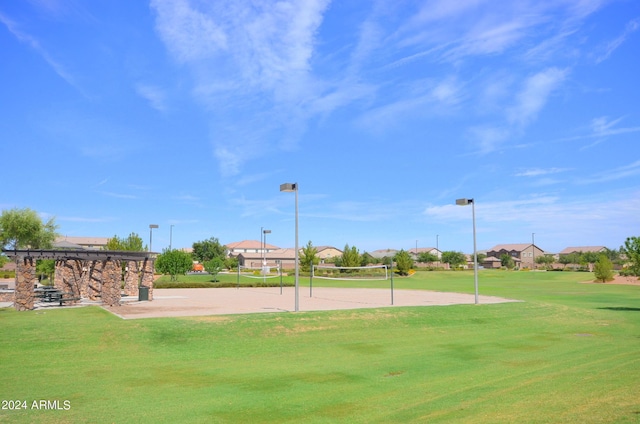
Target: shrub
(603, 269)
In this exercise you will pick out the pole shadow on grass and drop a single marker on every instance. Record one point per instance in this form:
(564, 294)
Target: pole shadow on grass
(621, 308)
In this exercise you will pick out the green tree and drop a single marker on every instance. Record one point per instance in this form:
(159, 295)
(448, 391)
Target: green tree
(574, 258)
(23, 228)
(564, 260)
(614, 255)
(386, 260)
(350, 257)
(174, 263)
(231, 263)
(631, 250)
(133, 243)
(589, 258)
(403, 262)
(206, 250)
(603, 269)
(367, 259)
(45, 268)
(427, 257)
(507, 261)
(546, 260)
(454, 259)
(214, 266)
(309, 255)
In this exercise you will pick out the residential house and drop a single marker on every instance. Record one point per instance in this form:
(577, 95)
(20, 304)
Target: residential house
(327, 252)
(415, 252)
(273, 258)
(583, 249)
(491, 262)
(524, 254)
(249, 246)
(383, 253)
(90, 243)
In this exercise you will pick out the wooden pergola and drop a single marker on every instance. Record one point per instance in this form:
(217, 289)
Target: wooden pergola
(84, 274)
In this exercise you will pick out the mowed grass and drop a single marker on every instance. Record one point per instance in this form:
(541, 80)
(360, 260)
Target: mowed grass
(569, 353)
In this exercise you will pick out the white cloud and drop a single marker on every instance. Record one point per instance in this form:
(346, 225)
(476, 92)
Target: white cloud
(534, 95)
(488, 138)
(154, 95)
(118, 195)
(618, 173)
(188, 33)
(251, 64)
(602, 126)
(537, 172)
(35, 44)
(613, 45)
(568, 220)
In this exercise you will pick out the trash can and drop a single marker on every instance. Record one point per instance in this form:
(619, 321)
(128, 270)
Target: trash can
(143, 293)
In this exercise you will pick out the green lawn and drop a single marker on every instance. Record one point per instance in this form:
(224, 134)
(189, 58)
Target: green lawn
(569, 354)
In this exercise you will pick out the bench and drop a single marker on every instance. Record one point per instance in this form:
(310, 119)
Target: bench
(63, 299)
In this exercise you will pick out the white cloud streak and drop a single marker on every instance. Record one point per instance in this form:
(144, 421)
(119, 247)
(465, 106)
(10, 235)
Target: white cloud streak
(35, 44)
(537, 172)
(250, 59)
(613, 45)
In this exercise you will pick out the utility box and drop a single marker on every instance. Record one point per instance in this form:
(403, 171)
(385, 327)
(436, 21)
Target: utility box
(143, 293)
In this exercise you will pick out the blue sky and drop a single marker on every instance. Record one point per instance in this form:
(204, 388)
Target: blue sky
(118, 114)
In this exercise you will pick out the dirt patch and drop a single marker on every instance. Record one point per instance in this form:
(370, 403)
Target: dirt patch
(619, 279)
(201, 302)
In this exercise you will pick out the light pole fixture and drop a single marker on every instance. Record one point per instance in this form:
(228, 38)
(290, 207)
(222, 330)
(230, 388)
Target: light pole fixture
(171, 237)
(264, 246)
(151, 227)
(293, 187)
(264, 254)
(465, 202)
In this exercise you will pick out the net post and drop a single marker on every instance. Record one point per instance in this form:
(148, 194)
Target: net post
(280, 268)
(392, 283)
(238, 278)
(311, 279)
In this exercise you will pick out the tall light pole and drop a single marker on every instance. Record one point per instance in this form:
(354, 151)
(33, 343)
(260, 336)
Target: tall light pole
(464, 202)
(151, 227)
(293, 187)
(264, 254)
(533, 249)
(170, 237)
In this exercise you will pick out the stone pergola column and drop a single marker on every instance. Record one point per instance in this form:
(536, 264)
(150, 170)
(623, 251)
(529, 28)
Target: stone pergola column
(84, 279)
(57, 275)
(71, 277)
(94, 279)
(132, 278)
(25, 280)
(148, 269)
(111, 278)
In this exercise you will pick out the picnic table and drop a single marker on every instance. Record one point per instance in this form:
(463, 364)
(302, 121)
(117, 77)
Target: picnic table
(52, 294)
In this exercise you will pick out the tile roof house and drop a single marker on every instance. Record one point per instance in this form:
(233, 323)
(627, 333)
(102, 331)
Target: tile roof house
(91, 243)
(326, 252)
(524, 252)
(583, 249)
(383, 253)
(286, 257)
(249, 246)
(416, 252)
